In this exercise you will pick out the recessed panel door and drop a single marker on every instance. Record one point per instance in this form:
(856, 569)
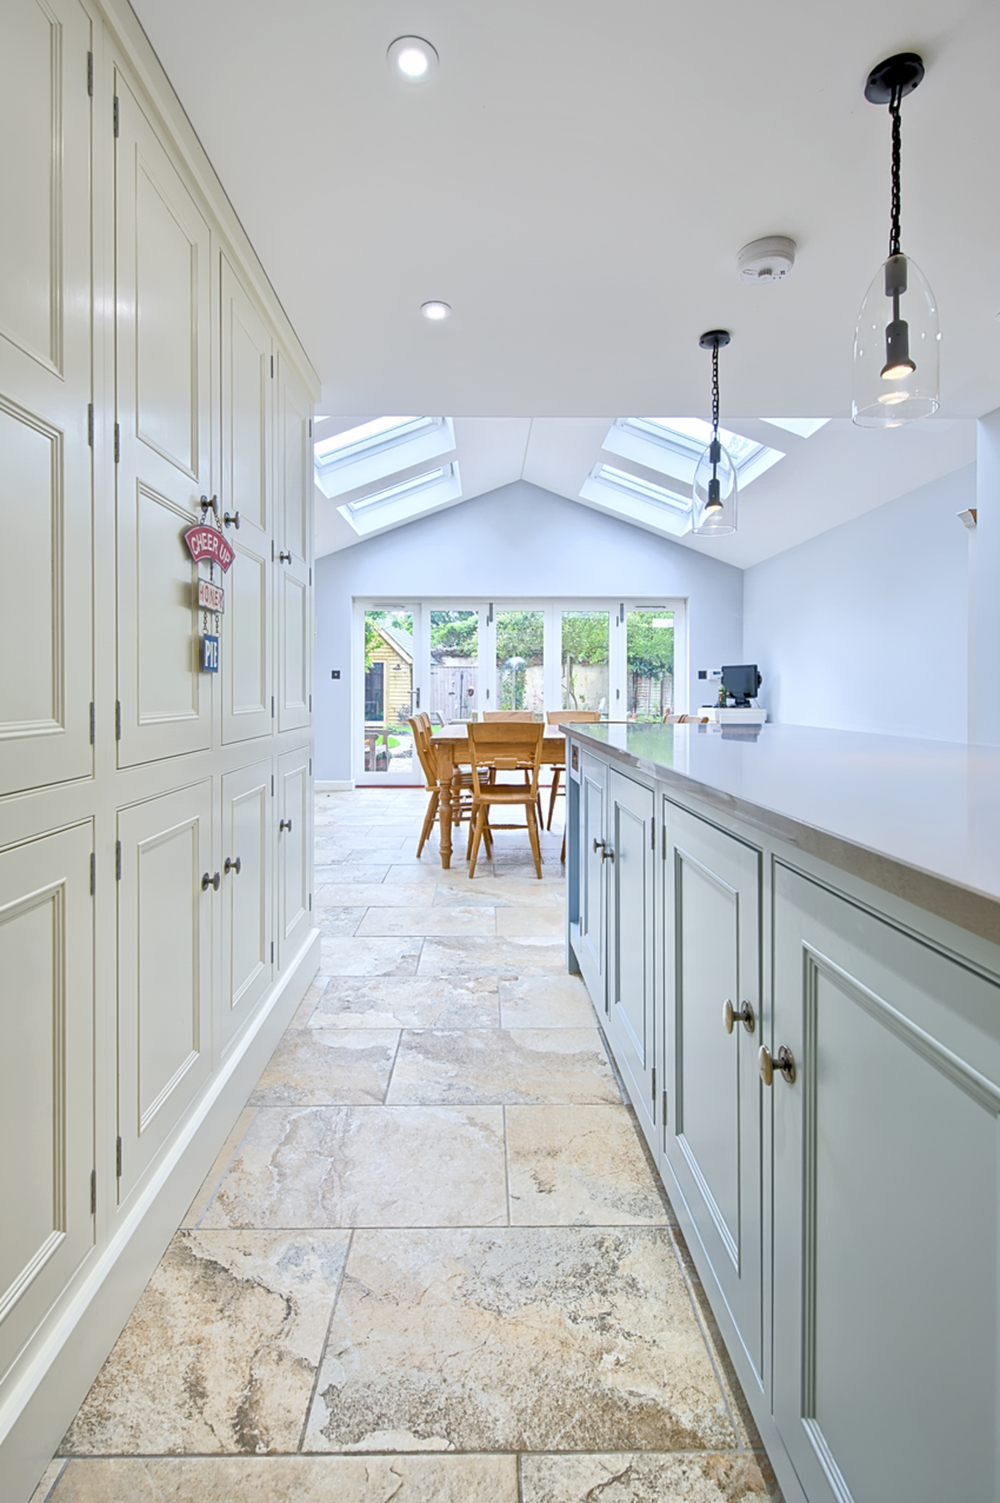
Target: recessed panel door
(163, 346)
(592, 948)
(45, 389)
(46, 1076)
(294, 852)
(630, 858)
(245, 501)
(713, 1143)
(886, 1207)
(294, 604)
(166, 915)
(247, 834)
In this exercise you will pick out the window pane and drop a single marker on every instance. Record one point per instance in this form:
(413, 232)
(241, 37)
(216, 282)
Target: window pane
(585, 661)
(454, 665)
(388, 692)
(650, 648)
(520, 672)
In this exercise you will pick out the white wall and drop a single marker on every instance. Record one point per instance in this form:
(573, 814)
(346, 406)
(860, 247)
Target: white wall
(866, 627)
(518, 542)
(984, 718)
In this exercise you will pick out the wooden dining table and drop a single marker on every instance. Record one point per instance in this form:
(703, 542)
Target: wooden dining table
(451, 748)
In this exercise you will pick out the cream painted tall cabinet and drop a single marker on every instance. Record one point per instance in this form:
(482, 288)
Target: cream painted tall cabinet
(155, 818)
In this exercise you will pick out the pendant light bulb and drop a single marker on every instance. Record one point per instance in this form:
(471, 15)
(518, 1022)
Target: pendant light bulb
(897, 335)
(714, 487)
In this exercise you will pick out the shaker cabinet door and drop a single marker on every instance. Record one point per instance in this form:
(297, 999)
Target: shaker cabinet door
(247, 836)
(630, 868)
(886, 1207)
(46, 1076)
(293, 607)
(712, 899)
(294, 835)
(162, 354)
(45, 392)
(592, 939)
(165, 921)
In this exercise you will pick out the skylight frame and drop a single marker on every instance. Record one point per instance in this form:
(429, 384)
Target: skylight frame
(404, 501)
(658, 445)
(374, 456)
(637, 500)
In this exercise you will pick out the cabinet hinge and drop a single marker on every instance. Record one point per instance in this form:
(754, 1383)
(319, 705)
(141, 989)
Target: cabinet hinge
(90, 73)
(310, 576)
(118, 1158)
(118, 860)
(310, 766)
(118, 444)
(90, 424)
(310, 704)
(272, 366)
(272, 785)
(93, 1192)
(272, 706)
(310, 427)
(618, 694)
(272, 952)
(652, 833)
(93, 722)
(664, 841)
(118, 720)
(117, 116)
(653, 1092)
(272, 550)
(93, 873)
(663, 1109)
(310, 902)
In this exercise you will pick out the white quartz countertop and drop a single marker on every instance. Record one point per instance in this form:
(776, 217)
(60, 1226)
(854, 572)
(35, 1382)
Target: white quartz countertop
(865, 802)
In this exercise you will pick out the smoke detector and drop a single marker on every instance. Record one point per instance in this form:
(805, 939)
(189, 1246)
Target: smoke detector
(767, 260)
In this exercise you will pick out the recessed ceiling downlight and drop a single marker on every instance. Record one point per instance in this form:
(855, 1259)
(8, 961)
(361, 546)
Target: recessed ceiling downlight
(436, 311)
(412, 58)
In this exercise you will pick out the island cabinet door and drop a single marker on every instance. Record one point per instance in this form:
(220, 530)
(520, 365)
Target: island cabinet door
(630, 862)
(885, 1207)
(592, 945)
(247, 932)
(712, 897)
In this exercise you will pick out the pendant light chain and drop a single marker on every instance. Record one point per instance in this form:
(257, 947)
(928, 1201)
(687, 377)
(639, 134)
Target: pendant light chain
(894, 111)
(715, 390)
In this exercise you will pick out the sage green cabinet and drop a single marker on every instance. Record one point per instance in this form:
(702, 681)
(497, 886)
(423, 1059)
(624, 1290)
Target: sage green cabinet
(886, 1246)
(712, 1133)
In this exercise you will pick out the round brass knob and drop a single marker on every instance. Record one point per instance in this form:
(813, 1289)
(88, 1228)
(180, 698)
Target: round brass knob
(745, 1016)
(784, 1062)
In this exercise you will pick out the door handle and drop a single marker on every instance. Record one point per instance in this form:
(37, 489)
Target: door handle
(285, 824)
(607, 854)
(745, 1016)
(231, 519)
(207, 882)
(232, 866)
(284, 558)
(784, 1062)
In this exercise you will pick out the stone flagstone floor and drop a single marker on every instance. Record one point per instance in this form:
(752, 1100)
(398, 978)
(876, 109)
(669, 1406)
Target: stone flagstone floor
(433, 1263)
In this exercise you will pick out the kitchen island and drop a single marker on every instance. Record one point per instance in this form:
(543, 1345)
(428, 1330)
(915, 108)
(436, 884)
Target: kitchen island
(793, 939)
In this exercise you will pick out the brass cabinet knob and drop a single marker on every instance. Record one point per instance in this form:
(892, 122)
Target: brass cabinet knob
(784, 1062)
(745, 1016)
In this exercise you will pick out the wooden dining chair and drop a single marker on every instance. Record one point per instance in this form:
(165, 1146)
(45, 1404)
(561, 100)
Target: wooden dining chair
(565, 717)
(523, 717)
(461, 782)
(497, 748)
(693, 720)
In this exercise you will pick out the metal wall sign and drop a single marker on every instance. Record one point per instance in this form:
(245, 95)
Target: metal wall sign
(206, 542)
(209, 654)
(211, 597)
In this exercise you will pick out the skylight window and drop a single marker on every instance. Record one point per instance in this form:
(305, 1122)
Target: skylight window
(403, 501)
(377, 449)
(634, 485)
(673, 447)
(637, 499)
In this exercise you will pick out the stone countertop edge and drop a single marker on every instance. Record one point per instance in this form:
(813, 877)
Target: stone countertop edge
(965, 907)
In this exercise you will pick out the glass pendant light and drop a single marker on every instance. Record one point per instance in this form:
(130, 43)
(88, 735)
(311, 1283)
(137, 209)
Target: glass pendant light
(715, 477)
(896, 340)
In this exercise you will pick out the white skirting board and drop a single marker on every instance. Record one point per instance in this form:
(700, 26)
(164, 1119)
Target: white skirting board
(65, 1358)
(339, 785)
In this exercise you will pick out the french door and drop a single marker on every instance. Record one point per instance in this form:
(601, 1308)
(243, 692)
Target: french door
(626, 660)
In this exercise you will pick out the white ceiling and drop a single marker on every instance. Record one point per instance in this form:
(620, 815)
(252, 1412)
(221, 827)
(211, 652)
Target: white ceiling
(835, 475)
(576, 180)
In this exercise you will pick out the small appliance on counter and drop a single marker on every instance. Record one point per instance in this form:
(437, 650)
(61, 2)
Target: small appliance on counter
(740, 683)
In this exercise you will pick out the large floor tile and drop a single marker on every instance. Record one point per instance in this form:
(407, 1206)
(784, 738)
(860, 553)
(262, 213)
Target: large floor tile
(334, 922)
(499, 892)
(221, 1351)
(291, 1479)
(366, 1166)
(328, 1067)
(340, 872)
(340, 894)
(428, 869)
(540, 1339)
(517, 1066)
(408, 1002)
(547, 920)
(579, 1166)
(545, 1002)
(647, 1477)
(499, 957)
(429, 920)
(369, 957)
(222, 1161)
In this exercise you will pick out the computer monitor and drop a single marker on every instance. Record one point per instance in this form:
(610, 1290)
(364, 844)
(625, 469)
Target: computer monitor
(742, 681)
